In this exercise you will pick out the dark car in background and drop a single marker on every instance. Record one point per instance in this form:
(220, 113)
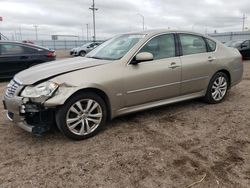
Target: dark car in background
(16, 56)
(84, 49)
(242, 45)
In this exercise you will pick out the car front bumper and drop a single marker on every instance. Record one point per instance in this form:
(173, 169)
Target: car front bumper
(74, 53)
(31, 117)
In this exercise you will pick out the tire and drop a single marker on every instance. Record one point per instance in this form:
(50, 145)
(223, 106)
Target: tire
(76, 114)
(82, 53)
(217, 88)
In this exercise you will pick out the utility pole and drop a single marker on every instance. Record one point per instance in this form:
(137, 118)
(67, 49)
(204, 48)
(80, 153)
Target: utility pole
(20, 34)
(143, 27)
(82, 32)
(35, 26)
(87, 25)
(16, 36)
(244, 19)
(1, 19)
(93, 8)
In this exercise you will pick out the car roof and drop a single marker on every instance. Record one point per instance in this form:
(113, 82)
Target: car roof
(24, 44)
(159, 31)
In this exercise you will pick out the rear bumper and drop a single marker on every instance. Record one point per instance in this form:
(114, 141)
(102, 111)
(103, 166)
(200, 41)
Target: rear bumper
(236, 76)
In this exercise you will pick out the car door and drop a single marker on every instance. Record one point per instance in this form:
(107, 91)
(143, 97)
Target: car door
(245, 49)
(196, 63)
(154, 80)
(12, 59)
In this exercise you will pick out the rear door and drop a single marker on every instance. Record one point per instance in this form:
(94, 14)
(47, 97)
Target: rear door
(13, 59)
(154, 80)
(196, 63)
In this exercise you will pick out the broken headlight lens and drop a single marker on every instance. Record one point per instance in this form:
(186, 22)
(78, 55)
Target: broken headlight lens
(43, 89)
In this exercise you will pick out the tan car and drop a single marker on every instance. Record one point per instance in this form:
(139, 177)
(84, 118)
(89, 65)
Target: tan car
(128, 73)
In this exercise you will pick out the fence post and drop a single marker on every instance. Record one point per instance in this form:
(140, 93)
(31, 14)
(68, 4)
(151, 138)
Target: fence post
(65, 44)
(54, 44)
(231, 36)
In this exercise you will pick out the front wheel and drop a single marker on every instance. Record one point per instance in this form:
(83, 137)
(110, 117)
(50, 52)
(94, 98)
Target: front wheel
(82, 53)
(217, 89)
(82, 116)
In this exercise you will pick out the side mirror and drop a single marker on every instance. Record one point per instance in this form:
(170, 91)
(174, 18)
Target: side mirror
(142, 57)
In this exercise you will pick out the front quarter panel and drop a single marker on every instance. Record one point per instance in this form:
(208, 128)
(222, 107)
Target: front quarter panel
(107, 78)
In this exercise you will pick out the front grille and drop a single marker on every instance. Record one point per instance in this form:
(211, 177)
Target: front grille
(12, 88)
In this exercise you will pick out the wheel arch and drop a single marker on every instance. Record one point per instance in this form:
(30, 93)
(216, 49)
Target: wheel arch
(223, 70)
(227, 73)
(100, 93)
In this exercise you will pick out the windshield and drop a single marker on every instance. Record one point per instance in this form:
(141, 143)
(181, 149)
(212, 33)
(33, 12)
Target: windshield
(116, 47)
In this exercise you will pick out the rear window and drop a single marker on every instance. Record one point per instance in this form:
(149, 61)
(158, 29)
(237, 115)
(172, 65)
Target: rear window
(211, 45)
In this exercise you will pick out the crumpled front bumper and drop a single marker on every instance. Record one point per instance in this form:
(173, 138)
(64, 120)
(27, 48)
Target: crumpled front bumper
(29, 117)
(13, 106)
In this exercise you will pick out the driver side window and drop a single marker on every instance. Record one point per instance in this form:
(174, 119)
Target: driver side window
(161, 47)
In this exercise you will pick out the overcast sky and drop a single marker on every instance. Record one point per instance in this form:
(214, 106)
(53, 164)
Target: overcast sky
(118, 16)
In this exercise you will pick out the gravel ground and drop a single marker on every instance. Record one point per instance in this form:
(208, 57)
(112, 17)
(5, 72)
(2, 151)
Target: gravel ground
(172, 146)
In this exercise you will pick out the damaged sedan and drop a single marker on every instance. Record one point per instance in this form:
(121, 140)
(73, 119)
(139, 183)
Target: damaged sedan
(128, 73)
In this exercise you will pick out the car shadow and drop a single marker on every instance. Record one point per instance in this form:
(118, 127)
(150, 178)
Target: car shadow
(165, 109)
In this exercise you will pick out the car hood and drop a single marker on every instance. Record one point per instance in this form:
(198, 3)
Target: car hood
(54, 68)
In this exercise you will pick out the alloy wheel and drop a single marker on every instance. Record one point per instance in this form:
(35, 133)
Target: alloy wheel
(219, 88)
(84, 117)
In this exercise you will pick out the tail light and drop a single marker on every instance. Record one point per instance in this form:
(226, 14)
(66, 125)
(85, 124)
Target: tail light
(51, 54)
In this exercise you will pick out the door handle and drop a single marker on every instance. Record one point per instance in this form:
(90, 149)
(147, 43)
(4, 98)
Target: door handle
(173, 65)
(211, 59)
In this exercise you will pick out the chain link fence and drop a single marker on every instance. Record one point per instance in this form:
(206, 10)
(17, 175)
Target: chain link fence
(231, 36)
(61, 44)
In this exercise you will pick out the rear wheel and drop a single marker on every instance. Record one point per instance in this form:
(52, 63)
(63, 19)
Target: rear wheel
(82, 116)
(217, 89)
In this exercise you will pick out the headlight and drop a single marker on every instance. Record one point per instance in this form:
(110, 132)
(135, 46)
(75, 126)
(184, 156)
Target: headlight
(44, 89)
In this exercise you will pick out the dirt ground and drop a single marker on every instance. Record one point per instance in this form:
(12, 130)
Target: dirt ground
(172, 146)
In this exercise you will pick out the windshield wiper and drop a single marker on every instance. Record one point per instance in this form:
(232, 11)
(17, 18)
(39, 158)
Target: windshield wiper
(95, 57)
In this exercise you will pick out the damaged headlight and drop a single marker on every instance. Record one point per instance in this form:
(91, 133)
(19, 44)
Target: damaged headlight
(44, 89)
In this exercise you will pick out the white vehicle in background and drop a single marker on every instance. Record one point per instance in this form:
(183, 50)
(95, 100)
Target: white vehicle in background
(84, 49)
